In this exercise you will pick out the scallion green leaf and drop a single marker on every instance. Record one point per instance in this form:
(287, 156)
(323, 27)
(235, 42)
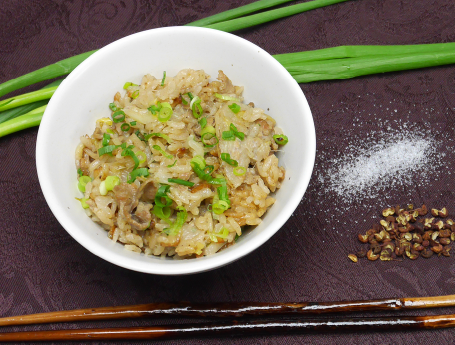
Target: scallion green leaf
(113, 107)
(133, 123)
(203, 122)
(128, 84)
(135, 94)
(79, 172)
(164, 78)
(125, 127)
(161, 135)
(111, 181)
(234, 107)
(106, 139)
(227, 158)
(162, 212)
(182, 182)
(162, 194)
(239, 171)
(136, 173)
(178, 224)
(206, 137)
(118, 116)
(129, 152)
(165, 112)
(158, 148)
(83, 180)
(280, 139)
(106, 149)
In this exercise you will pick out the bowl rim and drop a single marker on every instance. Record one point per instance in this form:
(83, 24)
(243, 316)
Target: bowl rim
(184, 266)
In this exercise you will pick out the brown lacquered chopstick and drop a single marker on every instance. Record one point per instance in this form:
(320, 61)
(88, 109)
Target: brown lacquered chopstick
(229, 309)
(238, 328)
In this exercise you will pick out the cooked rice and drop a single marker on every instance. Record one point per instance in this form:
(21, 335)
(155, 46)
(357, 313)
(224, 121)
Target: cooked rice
(126, 212)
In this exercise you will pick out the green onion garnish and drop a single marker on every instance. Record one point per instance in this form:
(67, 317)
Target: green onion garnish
(135, 94)
(118, 116)
(232, 133)
(178, 224)
(182, 182)
(220, 206)
(239, 171)
(158, 148)
(208, 129)
(203, 122)
(141, 156)
(106, 138)
(84, 203)
(196, 107)
(190, 95)
(227, 158)
(236, 237)
(110, 131)
(79, 172)
(165, 112)
(155, 108)
(113, 107)
(83, 180)
(106, 149)
(184, 101)
(234, 107)
(129, 152)
(162, 194)
(223, 234)
(228, 135)
(164, 78)
(171, 165)
(128, 84)
(162, 212)
(140, 135)
(161, 135)
(280, 139)
(125, 127)
(206, 137)
(111, 182)
(136, 173)
(226, 97)
(238, 134)
(133, 123)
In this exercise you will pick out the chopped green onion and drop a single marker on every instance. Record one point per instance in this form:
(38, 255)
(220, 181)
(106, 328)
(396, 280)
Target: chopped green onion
(171, 165)
(142, 157)
(140, 135)
(162, 194)
(238, 134)
(164, 78)
(227, 158)
(103, 190)
(79, 172)
(162, 212)
(161, 135)
(228, 135)
(129, 152)
(190, 95)
(280, 139)
(106, 138)
(223, 234)
(128, 84)
(113, 107)
(203, 122)
(234, 107)
(106, 149)
(155, 108)
(199, 161)
(178, 224)
(239, 171)
(111, 182)
(135, 94)
(165, 112)
(226, 97)
(158, 148)
(125, 127)
(220, 206)
(208, 129)
(136, 173)
(236, 237)
(133, 123)
(182, 182)
(184, 101)
(84, 203)
(118, 116)
(83, 180)
(110, 131)
(206, 137)
(196, 107)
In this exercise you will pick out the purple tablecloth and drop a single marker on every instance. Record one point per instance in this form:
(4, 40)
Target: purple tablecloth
(43, 269)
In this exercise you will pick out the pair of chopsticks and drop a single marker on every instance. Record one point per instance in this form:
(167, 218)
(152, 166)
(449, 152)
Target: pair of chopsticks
(234, 327)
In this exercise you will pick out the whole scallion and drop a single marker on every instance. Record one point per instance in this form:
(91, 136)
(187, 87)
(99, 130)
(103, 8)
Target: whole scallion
(31, 119)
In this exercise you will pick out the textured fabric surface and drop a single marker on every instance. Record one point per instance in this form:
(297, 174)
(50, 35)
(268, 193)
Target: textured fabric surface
(43, 269)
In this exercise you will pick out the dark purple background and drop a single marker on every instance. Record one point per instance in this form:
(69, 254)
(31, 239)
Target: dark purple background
(43, 269)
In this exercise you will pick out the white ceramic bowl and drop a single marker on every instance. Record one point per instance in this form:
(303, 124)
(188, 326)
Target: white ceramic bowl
(84, 97)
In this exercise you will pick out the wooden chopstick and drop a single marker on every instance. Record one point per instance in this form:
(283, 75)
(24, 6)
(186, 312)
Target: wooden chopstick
(237, 328)
(228, 309)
